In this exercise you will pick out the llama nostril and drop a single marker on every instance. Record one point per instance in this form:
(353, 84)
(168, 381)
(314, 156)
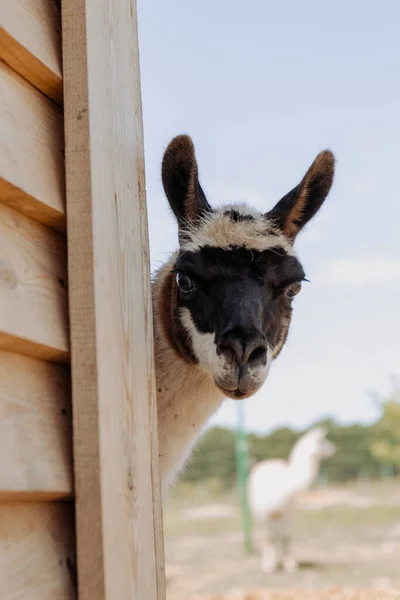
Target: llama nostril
(228, 351)
(258, 355)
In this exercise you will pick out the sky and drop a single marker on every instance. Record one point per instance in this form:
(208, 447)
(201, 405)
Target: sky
(262, 87)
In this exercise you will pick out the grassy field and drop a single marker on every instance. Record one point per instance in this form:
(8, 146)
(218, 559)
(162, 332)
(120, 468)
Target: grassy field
(346, 538)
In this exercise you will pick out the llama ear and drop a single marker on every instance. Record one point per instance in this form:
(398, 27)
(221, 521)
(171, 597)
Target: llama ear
(295, 209)
(181, 182)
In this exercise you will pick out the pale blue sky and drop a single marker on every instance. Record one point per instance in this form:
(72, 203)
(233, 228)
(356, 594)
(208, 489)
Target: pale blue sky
(262, 87)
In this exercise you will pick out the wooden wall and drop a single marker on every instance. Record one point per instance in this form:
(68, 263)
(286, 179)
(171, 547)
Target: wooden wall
(111, 435)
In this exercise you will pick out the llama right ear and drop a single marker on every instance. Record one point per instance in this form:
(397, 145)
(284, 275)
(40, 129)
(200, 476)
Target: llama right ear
(181, 182)
(295, 209)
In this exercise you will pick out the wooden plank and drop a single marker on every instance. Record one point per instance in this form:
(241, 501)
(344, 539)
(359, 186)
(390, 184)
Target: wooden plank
(119, 534)
(33, 288)
(30, 42)
(37, 551)
(35, 429)
(31, 151)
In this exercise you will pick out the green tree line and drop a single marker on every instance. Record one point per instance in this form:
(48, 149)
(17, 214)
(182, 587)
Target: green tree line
(369, 451)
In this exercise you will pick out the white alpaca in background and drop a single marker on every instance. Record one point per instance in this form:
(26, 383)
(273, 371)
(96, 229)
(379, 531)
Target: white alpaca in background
(272, 489)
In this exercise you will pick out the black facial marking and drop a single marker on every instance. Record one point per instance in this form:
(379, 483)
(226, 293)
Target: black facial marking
(239, 289)
(211, 265)
(236, 216)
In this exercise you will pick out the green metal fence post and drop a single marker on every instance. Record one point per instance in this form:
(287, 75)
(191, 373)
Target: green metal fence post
(242, 467)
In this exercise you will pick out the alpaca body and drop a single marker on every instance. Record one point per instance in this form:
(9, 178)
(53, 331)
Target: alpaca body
(272, 490)
(222, 304)
(276, 477)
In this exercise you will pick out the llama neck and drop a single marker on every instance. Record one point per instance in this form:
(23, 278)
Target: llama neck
(186, 397)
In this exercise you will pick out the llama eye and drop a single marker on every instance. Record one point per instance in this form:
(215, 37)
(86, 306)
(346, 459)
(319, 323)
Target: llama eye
(293, 290)
(184, 282)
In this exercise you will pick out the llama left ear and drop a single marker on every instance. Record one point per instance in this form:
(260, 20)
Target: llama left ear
(181, 182)
(295, 209)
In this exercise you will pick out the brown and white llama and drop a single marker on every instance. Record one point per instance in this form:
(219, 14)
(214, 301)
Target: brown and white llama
(222, 304)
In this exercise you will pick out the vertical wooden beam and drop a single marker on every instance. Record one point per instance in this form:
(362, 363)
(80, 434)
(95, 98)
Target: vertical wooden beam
(119, 533)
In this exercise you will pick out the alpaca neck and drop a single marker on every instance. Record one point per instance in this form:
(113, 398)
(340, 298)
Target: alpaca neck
(304, 471)
(186, 397)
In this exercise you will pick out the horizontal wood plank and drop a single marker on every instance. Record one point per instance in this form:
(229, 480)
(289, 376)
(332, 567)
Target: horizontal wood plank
(37, 551)
(33, 288)
(32, 178)
(30, 42)
(35, 429)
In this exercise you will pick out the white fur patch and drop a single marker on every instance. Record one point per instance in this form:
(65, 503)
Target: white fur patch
(218, 230)
(204, 347)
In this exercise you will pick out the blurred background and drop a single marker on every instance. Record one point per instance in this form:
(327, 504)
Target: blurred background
(262, 87)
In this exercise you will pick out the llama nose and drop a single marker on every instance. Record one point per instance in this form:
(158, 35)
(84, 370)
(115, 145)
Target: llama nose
(249, 350)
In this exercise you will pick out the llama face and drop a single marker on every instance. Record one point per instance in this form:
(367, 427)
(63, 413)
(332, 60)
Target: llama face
(228, 297)
(235, 305)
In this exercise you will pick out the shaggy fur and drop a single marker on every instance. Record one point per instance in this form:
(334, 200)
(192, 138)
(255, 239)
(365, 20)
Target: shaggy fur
(233, 226)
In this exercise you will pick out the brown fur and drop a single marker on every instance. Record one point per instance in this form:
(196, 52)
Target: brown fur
(186, 396)
(167, 310)
(291, 227)
(319, 175)
(180, 165)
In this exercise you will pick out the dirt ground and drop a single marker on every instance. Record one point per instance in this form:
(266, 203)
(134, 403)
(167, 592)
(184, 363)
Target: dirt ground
(347, 541)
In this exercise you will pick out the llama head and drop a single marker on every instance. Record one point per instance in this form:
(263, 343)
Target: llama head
(227, 302)
(313, 446)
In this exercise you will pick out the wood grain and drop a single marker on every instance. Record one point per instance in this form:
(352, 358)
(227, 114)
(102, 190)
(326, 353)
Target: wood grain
(35, 429)
(31, 151)
(37, 551)
(30, 43)
(119, 534)
(33, 288)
